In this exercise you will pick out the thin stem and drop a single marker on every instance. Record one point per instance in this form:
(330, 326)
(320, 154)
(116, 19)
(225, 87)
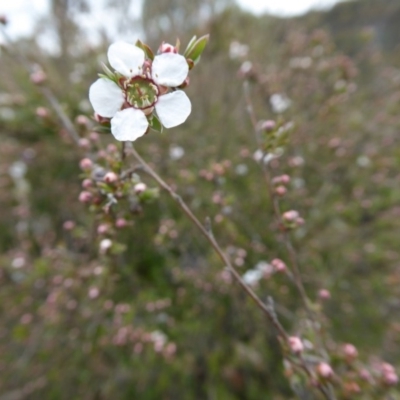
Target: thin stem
(206, 232)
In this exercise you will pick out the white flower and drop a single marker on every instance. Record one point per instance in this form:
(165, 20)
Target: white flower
(252, 276)
(143, 89)
(279, 102)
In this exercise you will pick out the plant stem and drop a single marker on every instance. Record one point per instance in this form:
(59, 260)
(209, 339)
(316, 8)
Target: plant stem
(207, 233)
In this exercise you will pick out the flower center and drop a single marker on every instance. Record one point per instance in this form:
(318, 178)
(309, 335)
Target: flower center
(141, 92)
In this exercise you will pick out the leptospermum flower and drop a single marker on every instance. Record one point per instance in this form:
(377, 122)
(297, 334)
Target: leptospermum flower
(139, 87)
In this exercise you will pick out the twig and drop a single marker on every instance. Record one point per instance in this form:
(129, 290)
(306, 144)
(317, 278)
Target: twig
(206, 232)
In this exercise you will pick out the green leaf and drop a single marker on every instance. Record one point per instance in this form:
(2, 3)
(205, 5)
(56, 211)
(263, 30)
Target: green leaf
(197, 48)
(149, 53)
(190, 45)
(155, 124)
(108, 74)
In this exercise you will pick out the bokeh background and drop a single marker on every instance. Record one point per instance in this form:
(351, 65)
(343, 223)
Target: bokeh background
(159, 318)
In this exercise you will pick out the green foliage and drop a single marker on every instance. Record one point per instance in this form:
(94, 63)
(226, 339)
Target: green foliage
(156, 317)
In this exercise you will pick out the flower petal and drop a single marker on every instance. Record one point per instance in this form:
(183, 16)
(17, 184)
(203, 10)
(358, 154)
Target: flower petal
(106, 97)
(173, 108)
(129, 124)
(126, 58)
(169, 69)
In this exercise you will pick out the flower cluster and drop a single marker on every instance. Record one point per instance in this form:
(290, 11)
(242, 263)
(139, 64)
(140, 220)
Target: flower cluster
(144, 90)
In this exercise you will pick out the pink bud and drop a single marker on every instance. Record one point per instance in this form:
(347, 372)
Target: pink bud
(86, 164)
(280, 191)
(387, 368)
(285, 179)
(94, 136)
(102, 229)
(279, 265)
(82, 120)
(352, 387)
(112, 148)
(42, 112)
(290, 216)
(69, 225)
(390, 378)
(140, 188)
(121, 223)
(365, 375)
(295, 344)
(299, 221)
(87, 183)
(94, 292)
(38, 77)
(110, 177)
(167, 48)
(85, 197)
(268, 126)
(324, 294)
(324, 370)
(350, 351)
(84, 143)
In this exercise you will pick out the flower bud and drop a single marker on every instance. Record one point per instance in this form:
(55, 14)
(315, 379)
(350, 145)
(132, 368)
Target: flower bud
(93, 292)
(324, 370)
(69, 225)
(42, 112)
(85, 197)
(350, 352)
(82, 120)
(140, 188)
(279, 265)
(38, 77)
(86, 164)
(290, 216)
(121, 223)
(110, 177)
(112, 148)
(352, 387)
(390, 378)
(324, 294)
(268, 126)
(87, 183)
(105, 245)
(246, 70)
(84, 143)
(3, 20)
(280, 191)
(295, 344)
(167, 48)
(94, 136)
(102, 229)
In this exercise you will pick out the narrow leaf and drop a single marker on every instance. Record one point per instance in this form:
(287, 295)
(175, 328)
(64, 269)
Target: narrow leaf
(155, 124)
(190, 45)
(149, 53)
(198, 48)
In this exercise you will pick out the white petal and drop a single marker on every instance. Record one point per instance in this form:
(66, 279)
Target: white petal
(106, 97)
(129, 124)
(169, 69)
(126, 58)
(173, 108)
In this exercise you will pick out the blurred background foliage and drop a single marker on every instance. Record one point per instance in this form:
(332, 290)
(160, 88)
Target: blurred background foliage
(160, 319)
